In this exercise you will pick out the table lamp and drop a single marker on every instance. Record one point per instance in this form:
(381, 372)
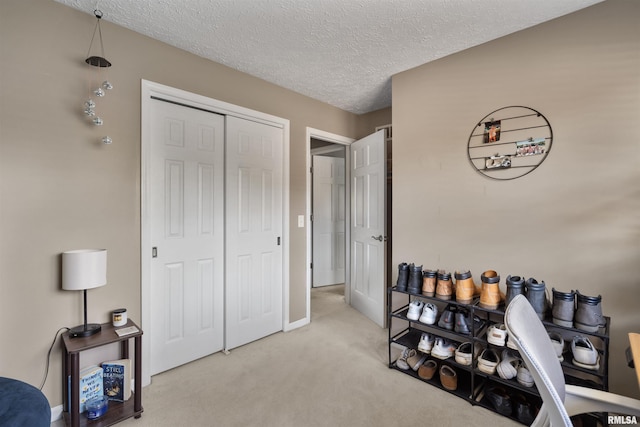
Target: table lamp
(81, 270)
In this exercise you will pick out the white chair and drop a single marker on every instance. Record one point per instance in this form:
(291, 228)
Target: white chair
(559, 400)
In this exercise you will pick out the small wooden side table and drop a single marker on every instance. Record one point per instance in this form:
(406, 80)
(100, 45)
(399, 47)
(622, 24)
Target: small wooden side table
(117, 411)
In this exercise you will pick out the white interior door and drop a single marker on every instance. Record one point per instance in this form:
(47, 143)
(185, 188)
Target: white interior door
(254, 168)
(186, 202)
(368, 227)
(328, 220)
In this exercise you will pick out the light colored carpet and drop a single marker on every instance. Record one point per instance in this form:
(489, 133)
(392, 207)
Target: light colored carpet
(332, 372)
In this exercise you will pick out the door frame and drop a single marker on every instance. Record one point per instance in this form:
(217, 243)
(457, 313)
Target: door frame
(341, 140)
(151, 89)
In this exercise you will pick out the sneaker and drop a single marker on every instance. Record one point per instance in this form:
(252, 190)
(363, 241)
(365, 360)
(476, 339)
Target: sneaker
(426, 343)
(497, 334)
(511, 343)
(500, 400)
(508, 366)
(447, 319)
(588, 316)
(402, 360)
(488, 361)
(584, 353)
(429, 314)
(558, 344)
(463, 353)
(416, 360)
(428, 369)
(443, 348)
(415, 309)
(523, 409)
(524, 376)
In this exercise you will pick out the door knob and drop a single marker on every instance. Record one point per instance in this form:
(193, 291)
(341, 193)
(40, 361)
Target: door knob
(380, 238)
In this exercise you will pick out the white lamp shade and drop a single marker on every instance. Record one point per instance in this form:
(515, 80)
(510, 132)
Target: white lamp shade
(84, 269)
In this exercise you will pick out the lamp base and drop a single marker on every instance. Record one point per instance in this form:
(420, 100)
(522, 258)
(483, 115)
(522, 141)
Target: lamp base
(85, 330)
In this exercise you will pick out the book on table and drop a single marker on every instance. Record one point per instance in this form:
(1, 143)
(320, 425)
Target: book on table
(116, 378)
(91, 385)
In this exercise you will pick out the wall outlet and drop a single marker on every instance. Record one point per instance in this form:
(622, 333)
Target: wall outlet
(300, 221)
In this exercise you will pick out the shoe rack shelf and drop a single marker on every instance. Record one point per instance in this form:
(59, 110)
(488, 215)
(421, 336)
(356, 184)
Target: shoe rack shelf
(473, 383)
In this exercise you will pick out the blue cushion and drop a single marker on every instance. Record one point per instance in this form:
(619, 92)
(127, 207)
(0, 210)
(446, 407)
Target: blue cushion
(22, 405)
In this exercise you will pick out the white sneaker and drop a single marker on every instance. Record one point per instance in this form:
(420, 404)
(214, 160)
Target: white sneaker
(443, 348)
(429, 314)
(488, 361)
(402, 360)
(510, 343)
(415, 308)
(558, 344)
(508, 367)
(584, 353)
(524, 376)
(497, 334)
(426, 343)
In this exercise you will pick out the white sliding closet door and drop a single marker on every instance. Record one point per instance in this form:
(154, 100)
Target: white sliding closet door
(186, 228)
(254, 277)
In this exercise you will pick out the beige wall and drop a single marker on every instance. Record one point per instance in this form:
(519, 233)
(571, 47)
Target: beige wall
(61, 190)
(574, 222)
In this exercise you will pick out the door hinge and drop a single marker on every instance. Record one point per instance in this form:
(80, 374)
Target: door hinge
(311, 265)
(311, 169)
(154, 252)
(310, 218)
(278, 240)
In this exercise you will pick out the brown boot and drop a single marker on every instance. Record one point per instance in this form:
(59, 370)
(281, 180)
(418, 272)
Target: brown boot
(444, 286)
(490, 297)
(466, 289)
(429, 282)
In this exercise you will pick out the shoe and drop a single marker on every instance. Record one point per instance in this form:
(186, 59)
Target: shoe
(490, 297)
(403, 277)
(443, 348)
(508, 366)
(444, 286)
(488, 361)
(447, 319)
(500, 400)
(563, 308)
(537, 296)
(448, 377)
(558, 344)
(515, 286)
(465, 288)
(589, 313)
(429, 313)
(429, 282)
(497, 334)
(416, 360)
(426, 343)
(523, 409)
(463, 353)
(402, 360)
(415, 309)
(584, 353)
(414, 285)
(511, 343)
(428, 369)
(462, 325)
(524, 376)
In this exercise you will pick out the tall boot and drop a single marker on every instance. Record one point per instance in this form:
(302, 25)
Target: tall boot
(465, 287)
(429, 282)
(444, 286)
(564, 305)
(415, 279)
(490, 297)
(536, 294)
(403, 277)
(589, 316)
(515, 286)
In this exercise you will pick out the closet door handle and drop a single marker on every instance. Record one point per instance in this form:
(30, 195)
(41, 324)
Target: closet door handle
(379, 238)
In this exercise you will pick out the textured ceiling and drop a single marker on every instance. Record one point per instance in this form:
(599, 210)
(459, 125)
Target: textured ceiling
(342, 52)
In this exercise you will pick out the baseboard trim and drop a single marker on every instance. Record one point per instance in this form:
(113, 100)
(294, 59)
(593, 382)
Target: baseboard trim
(297, 324)
(56, 413)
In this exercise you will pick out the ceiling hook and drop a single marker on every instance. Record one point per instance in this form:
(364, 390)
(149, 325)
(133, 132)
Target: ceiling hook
(98, 13)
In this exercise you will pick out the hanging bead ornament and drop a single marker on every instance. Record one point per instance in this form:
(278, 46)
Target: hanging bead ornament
(102, 63)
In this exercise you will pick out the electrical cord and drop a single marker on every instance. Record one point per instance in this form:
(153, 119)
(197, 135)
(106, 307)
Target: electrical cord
(46, 370)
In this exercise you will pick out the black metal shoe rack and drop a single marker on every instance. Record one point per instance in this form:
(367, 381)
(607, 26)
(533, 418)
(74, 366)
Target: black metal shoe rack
(473, 383)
